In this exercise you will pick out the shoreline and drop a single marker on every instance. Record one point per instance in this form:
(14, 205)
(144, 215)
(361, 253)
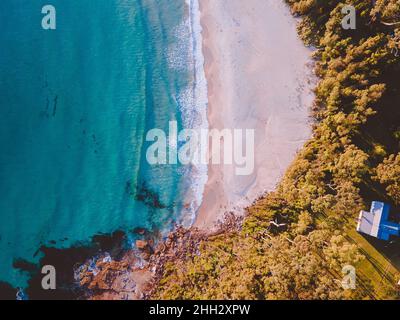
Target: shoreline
(277, 103)
(224, 192)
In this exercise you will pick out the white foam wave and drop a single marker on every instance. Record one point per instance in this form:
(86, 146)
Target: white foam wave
(187, 54)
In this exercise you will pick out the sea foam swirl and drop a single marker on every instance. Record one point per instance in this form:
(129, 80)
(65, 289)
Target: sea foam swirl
(187, 55)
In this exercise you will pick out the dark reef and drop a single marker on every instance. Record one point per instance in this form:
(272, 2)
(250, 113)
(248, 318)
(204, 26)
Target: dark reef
(65, 260)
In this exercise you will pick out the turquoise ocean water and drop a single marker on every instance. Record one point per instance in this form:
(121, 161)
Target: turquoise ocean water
(76, 104)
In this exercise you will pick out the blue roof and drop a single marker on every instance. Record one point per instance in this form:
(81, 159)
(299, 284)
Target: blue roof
(376, 222)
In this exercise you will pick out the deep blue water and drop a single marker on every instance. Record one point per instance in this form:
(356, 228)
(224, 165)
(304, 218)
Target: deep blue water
(75, 105)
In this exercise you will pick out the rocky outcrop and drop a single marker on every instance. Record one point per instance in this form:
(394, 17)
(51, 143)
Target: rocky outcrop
(114, 280)
(137, 274)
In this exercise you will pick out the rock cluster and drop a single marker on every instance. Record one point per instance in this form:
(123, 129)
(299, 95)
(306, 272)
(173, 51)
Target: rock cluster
(136, 275)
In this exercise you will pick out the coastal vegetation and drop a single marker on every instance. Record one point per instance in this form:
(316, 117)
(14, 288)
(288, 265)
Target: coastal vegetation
(295, 241)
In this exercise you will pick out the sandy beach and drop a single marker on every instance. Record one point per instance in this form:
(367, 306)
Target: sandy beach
(260, 77)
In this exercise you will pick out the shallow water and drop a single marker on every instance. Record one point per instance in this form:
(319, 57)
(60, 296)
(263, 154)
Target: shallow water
(75, 104)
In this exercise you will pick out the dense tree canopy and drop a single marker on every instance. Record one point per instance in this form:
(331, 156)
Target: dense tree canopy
(294, 242)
